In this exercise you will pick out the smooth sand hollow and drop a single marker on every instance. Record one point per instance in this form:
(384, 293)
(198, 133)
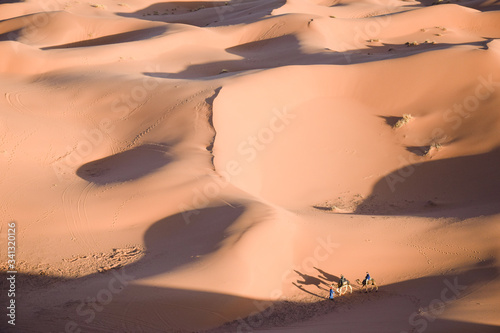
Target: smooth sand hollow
(193, 166)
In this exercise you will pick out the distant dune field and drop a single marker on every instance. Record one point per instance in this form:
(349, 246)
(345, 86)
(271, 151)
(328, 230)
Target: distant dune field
(194, 166)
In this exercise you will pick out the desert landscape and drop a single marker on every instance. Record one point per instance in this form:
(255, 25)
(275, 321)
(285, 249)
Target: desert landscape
(215, 166)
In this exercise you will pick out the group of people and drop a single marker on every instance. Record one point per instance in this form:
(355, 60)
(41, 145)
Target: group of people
(343, 281)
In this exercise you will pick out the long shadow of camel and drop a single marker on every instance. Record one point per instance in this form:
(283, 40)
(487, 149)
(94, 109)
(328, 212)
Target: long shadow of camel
(112, 302)
(327, 276)
(441, 290)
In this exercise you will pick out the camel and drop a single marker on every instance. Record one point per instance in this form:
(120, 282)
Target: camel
(371, 283)
(342, 289)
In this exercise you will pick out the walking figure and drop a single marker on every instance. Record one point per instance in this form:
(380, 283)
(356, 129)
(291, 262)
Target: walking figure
(332, 292)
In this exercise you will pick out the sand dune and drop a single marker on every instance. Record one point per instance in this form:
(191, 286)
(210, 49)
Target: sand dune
(214, 166)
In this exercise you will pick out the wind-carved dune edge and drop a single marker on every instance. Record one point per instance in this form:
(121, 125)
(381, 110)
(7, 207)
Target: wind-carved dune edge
(194, 166)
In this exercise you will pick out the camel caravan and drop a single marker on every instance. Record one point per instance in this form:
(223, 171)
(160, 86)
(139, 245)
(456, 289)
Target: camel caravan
(343, 286)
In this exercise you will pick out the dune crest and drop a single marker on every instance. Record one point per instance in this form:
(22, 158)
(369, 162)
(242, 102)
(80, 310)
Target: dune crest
(201, 165)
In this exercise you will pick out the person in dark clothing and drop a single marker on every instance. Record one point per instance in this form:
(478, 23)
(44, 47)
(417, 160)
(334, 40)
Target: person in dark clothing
(343, 280)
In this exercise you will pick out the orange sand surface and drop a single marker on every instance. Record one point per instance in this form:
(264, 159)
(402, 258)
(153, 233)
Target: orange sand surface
(194, 166)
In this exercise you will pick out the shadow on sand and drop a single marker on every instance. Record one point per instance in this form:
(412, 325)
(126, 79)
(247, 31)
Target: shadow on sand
(287, 51)
(425, 189)
(126, 166)
(112, 302)
(204, 13)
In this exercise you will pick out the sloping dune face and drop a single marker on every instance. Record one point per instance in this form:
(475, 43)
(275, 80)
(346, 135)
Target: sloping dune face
(309, 124)
(216, 165)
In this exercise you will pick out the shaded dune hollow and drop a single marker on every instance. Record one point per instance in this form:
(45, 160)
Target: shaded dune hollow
(218, 166)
